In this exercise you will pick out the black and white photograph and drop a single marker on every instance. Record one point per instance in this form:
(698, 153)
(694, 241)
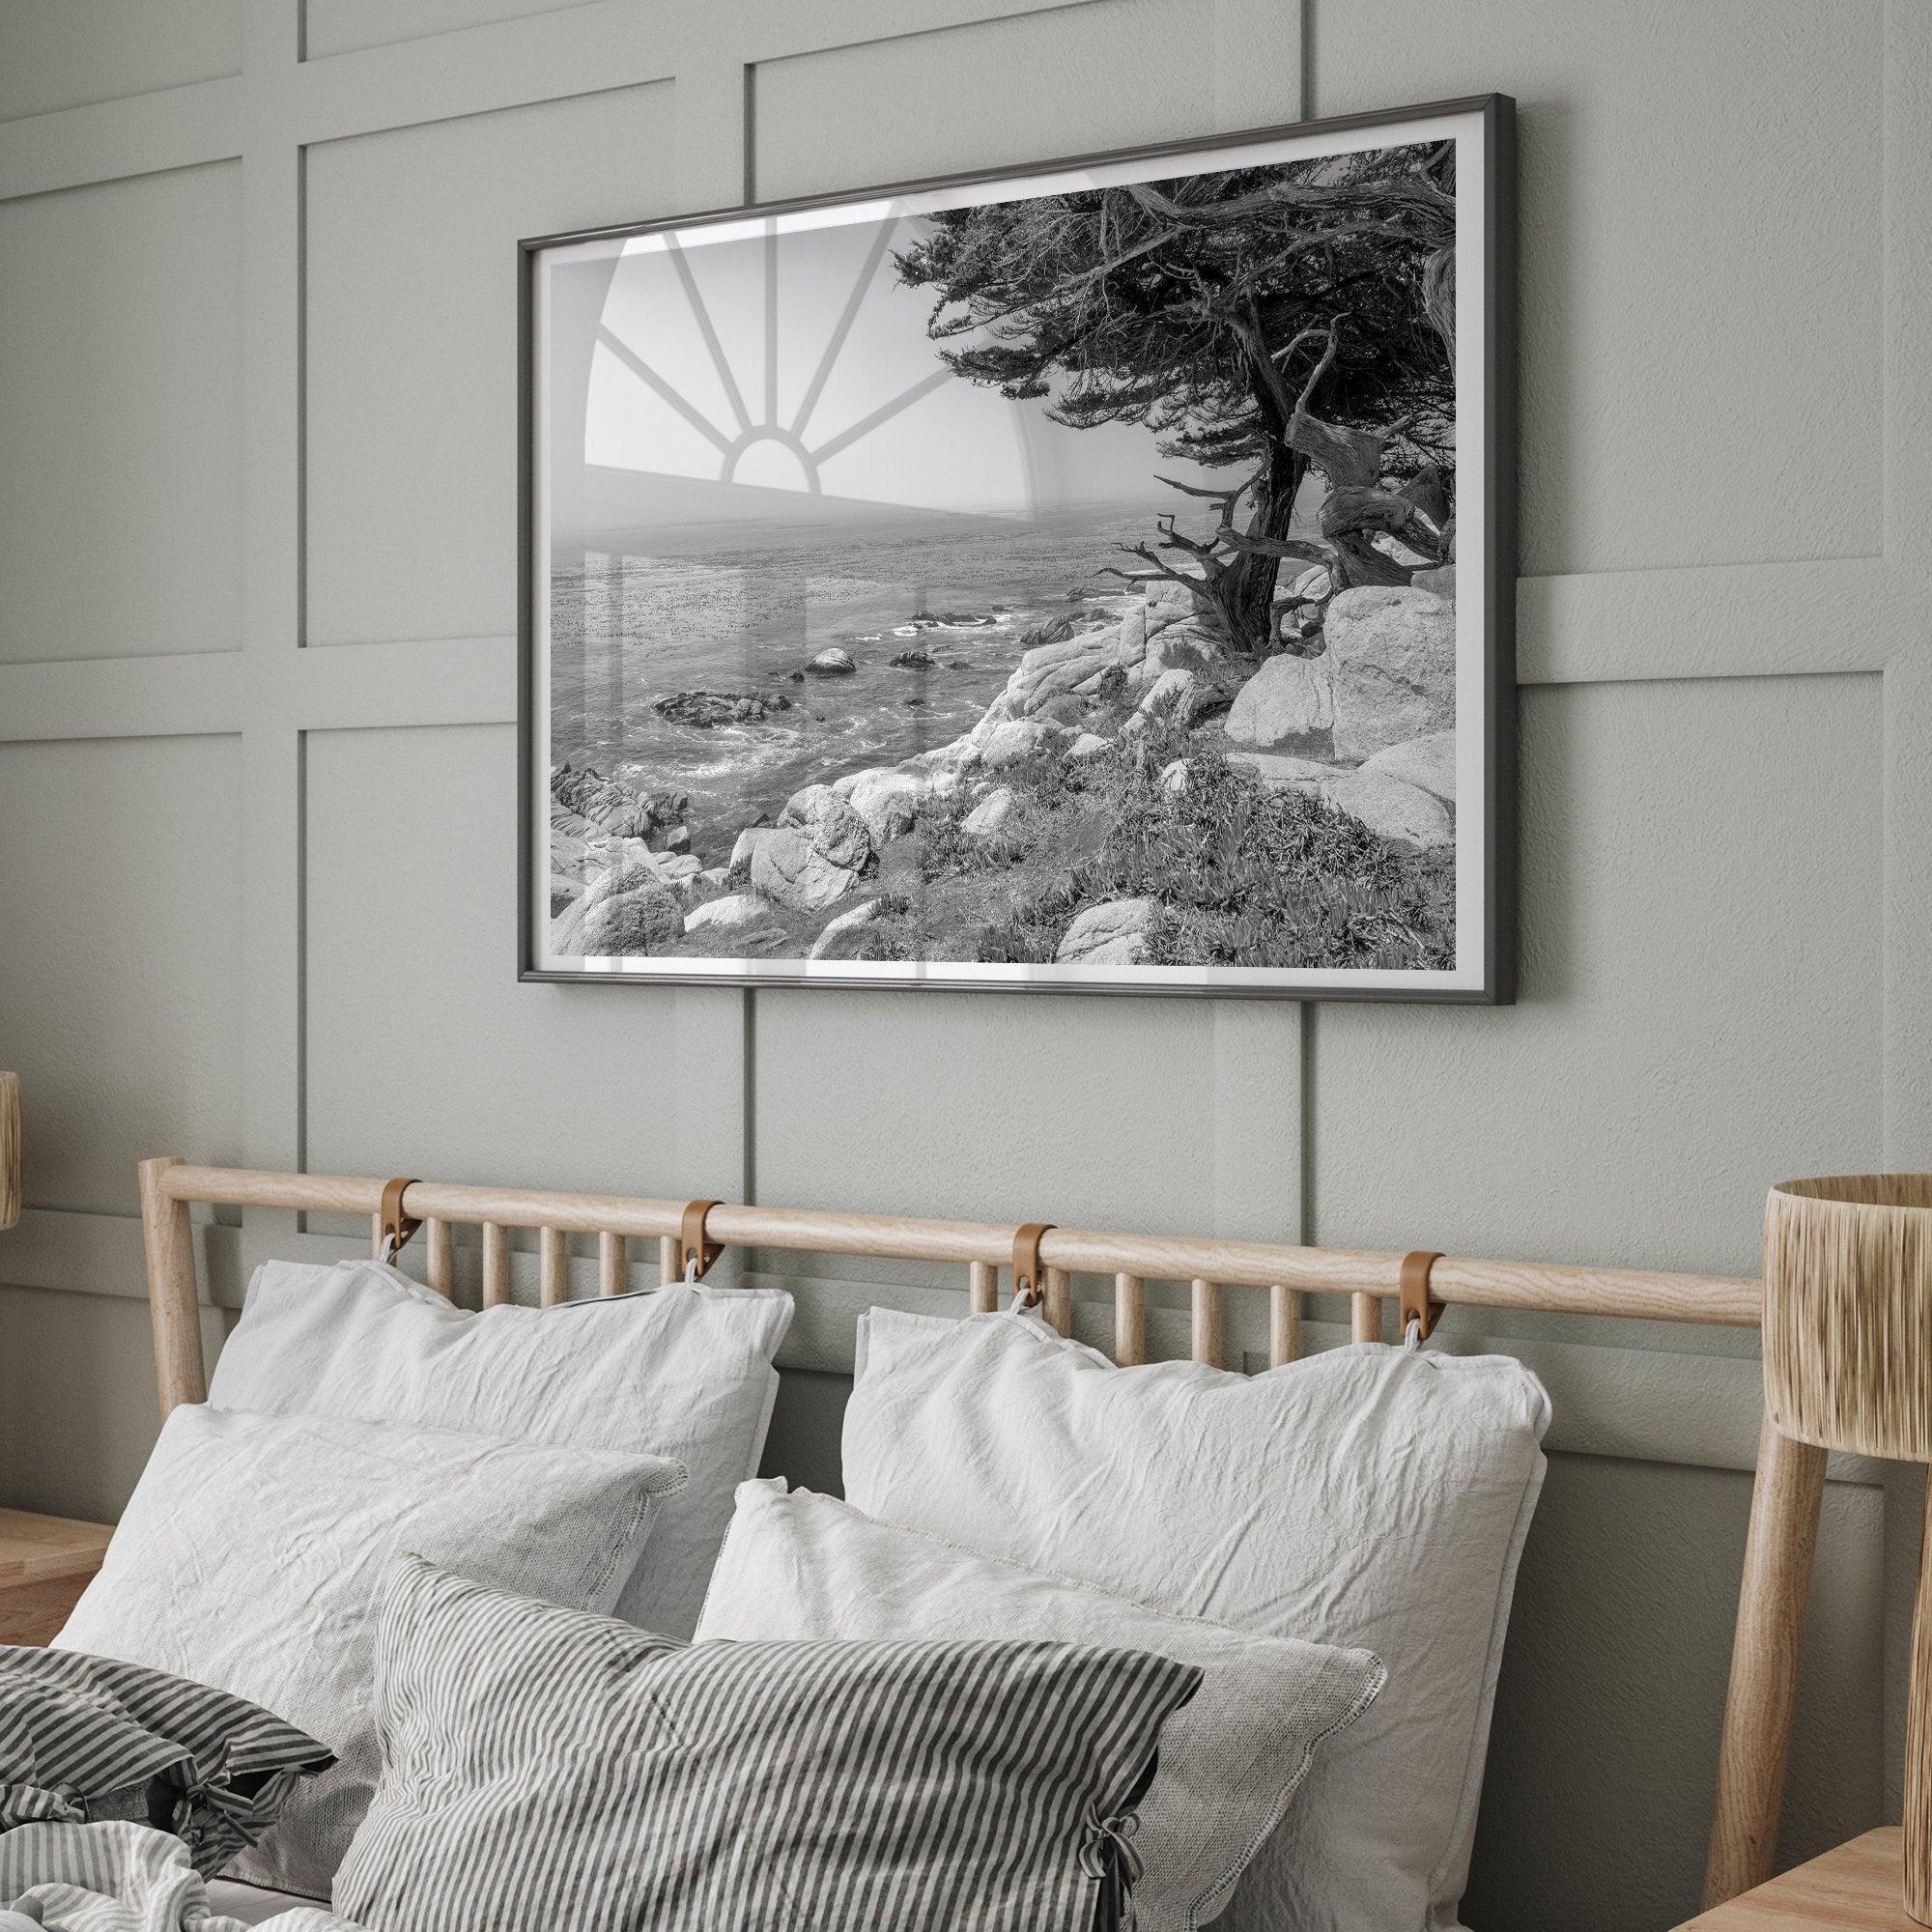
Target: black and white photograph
(1071, 580)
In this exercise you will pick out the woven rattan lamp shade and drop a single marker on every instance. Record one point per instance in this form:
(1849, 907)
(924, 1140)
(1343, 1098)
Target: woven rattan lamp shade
(1848, 1313)
(10, 1149)
(1848, 1365)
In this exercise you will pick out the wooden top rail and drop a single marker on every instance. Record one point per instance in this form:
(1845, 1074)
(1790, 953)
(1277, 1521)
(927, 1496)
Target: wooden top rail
(1640, 1294)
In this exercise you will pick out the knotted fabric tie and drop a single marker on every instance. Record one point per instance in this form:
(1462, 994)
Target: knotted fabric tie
(40, 1805)
(1108, 1853)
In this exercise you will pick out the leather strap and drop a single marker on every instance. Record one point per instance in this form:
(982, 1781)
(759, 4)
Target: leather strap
(395, 1225)
(1418, 1305)
(1028, 1277)
(693, 1244)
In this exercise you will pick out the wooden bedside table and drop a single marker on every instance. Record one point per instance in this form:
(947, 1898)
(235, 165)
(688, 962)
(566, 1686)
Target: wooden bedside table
(45, 1563)
(1858, 1887)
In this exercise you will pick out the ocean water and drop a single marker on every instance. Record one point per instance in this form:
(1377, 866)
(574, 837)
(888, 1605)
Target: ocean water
(743, 610)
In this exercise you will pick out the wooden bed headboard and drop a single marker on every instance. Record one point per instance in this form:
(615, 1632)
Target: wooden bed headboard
(1785, 1500)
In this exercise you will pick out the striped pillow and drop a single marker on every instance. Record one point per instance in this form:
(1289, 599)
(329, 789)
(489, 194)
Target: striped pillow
(551, 1770)
(87, 1738)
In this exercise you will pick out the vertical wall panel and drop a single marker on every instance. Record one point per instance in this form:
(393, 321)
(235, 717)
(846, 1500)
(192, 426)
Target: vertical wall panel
(120, 959)
(424, 1054)
(1161, 1114)
(1700, 1006)
(412, 287)
(121, 417)
(73, 53)
(77, 1410)
(1605, 1742)
(1701, 330)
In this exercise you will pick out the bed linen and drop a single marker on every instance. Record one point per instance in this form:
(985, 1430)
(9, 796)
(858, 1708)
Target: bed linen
(84, 1739)
(127, 1878)
(252, 1553)
(546, 1771)
(797, 1566)
(253, 1904)
(1367, 1496)
(684, 1372)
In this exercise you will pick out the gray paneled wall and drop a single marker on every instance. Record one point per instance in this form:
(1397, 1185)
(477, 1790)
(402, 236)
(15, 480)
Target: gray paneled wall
(257, 557)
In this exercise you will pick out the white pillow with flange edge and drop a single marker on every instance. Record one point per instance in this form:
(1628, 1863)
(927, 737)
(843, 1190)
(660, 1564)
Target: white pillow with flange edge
(253, 1553)
(1369, 1497)
(684, 1372)
(801, 1566)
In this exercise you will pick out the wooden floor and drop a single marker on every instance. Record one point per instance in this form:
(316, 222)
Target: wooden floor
(1855, 1888)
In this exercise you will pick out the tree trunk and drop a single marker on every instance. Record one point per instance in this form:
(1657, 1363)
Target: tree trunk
(1251, 594)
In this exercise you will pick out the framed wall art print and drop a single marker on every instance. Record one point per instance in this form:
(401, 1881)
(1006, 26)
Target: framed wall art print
(1093, 577)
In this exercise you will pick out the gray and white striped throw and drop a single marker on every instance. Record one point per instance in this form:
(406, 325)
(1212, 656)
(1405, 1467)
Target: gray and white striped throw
(551, 1770)
(86, 1738)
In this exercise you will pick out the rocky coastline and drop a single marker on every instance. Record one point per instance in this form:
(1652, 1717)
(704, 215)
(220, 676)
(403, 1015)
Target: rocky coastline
(1138, 793)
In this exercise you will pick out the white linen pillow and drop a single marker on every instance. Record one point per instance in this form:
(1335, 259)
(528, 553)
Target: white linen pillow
(253, 1553)
(801, 1566)
(684, 1372)
(1374, 1496)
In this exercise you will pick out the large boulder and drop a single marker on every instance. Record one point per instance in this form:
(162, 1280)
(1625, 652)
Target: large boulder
(1393, 656)
(1088, 745)
(886, 800)
(1020, 738)
(631, 924)
(829, 824)
(1288, 705)
(566, 930)
(739, 864)
(1181, 646)
(1113, 934)
(832, 663)
(843, 937)
(990, 815)
(944, 762)
(1071, 665)
(607, 806)
(1391, 809)
(791, 872)
(738, 913)
(1429, 764)
(1441, 580)
(706, 709)
(618, 867)
(1175, 694)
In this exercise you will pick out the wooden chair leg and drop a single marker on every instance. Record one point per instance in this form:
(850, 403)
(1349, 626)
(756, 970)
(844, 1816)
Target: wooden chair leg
(1785, 1500)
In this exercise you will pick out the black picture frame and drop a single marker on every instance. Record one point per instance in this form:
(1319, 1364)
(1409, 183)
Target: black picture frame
(1494, 981)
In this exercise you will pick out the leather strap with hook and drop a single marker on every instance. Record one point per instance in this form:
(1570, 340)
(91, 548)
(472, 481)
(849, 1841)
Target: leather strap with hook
(1029, 1278)
(694, 1248)
(1417, 1304)
(393, 1224)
